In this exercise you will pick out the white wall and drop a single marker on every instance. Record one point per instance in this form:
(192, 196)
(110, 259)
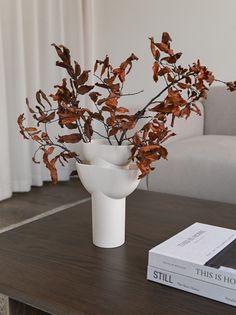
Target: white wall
(203, 29)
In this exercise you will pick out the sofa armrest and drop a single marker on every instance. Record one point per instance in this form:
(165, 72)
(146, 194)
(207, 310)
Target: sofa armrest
(220, 112)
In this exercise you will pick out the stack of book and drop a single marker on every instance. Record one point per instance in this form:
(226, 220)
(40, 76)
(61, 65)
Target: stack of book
(200, 259)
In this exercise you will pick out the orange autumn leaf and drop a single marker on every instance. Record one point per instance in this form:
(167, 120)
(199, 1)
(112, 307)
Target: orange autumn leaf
(72, 138)
(155, 69)
(145, 130)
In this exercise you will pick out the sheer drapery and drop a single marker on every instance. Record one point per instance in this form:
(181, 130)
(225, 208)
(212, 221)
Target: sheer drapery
(27, 63)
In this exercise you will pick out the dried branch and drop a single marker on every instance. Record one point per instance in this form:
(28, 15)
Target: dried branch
(183, 87)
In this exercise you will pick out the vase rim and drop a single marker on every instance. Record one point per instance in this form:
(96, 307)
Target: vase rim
(132, 167)
(105, 142)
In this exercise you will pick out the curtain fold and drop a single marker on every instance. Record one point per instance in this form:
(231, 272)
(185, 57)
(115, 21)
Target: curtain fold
(5, 178)
(27, 64)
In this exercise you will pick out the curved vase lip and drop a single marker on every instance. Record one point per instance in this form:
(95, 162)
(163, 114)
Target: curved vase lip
(103, 163)
(114, 182)
(106, 143)
(99, 150)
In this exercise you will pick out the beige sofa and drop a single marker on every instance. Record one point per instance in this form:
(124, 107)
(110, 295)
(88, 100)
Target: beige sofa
(202, 157)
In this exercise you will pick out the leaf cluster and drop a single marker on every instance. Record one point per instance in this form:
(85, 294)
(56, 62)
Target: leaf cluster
(183, 87)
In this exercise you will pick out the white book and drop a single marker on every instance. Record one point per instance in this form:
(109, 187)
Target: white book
(189, 284)
(201, 252)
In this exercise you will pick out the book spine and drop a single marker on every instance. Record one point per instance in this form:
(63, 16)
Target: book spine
(200, 272)
(195, 286)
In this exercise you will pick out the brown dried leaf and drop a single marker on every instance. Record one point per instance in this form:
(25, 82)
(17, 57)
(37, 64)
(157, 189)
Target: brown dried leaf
(170, 78)
(115, 88)
(101, 85)
(128, 62)
(31, 129)
(122, 110)
(60, 52)
(183, 85)
(152, 46)
(96, 66)
(29, 107)
(165, 48)
(46, 119)
(20, 121)
(107, 109)
(164, 71)
(83, 77)
(67, 118)
(85, 89)
(149, 148)
(112, 101)
(136, 139)
(168, 136)
(71, 126)
(49, 150)
(97, 116)
(110, 81)
(36, 138)
(66, 53)
(188, 80)
(77, 69)
(175, 98)
(120, 73)
(74, 173)
(94, 96)
(166, 38)
(152, 157)
(88, 130)
(196, 109)
(102, 100)
(38, 98)
(113, 131)
(72, 138)
(50, 165)
(172, 59)
(155, 69)
(163, 152)
(105, 65)
(231, 86)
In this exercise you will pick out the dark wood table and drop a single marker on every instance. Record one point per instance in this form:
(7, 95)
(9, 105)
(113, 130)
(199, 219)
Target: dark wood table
(51, 267)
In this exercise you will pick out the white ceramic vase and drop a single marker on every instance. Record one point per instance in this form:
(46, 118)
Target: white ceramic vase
(109, 184)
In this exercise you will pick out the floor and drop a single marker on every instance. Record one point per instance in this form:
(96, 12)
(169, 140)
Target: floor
(40, 201)
(23, 206)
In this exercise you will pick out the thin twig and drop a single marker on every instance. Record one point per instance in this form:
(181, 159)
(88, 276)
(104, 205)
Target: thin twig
(50, 110)
(100, 134)
(80, 130)
(130, 94)
(224, 82)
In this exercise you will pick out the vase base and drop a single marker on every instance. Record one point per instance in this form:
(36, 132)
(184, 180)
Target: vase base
(108, 246)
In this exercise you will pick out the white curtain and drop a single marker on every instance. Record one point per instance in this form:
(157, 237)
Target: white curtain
(27, 64)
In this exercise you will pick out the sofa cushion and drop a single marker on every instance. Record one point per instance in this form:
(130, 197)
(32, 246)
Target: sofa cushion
(202, 167)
